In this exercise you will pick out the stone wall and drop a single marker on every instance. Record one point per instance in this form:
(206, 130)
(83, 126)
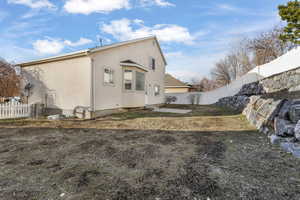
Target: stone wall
(255, 88)
(280, 119)
(289, 80)
(286, 80)
(267, 104)
(262, 112)
(237, 103)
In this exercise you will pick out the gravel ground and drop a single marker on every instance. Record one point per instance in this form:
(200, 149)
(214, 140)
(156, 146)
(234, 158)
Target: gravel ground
(85, 164)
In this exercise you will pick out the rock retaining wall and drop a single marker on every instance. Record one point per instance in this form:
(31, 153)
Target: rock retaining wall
(267, 109)
(289, 81)
(255, 88)
(280, 119)
(261, 112)
(237, 103)
(286, 80)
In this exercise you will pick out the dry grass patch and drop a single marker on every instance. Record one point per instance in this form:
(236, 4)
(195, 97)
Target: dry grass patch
(202, 118)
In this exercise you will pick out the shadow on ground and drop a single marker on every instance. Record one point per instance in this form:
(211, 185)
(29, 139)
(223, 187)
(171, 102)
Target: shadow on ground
(79, 164)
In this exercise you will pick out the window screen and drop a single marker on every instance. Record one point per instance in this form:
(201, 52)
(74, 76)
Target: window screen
(140, 81)
(128, 79)
(108, 76)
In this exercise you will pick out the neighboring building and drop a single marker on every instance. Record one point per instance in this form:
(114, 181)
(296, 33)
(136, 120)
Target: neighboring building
(194, 88)
(173, 85)
(103, 79)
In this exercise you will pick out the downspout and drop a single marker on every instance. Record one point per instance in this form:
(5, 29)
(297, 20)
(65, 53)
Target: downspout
(92, 85)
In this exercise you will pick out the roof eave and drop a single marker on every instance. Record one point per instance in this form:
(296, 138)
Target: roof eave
(89, 51)
(55, 58)
(134, 65)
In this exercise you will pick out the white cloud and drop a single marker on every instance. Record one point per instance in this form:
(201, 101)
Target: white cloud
(55, 46)
(126, 29)
(227, 7)
(8, 51)
(161, 3)
(36, 4)
(192, 65)
(100, 6)
(80, 42)
(51, 46)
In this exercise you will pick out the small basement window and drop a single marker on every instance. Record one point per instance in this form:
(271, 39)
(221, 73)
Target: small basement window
(128, 79)
(140, 81)
(108, 76)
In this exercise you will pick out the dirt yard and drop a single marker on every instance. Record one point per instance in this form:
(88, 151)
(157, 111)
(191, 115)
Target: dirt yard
(122, 157)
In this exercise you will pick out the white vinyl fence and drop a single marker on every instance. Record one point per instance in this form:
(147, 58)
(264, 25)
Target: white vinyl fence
(14, 110)
(211, 97)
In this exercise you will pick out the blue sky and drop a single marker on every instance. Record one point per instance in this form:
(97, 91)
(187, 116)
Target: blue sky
(194, 34)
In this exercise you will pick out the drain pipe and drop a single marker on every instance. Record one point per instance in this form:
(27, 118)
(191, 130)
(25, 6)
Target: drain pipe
(92, 85)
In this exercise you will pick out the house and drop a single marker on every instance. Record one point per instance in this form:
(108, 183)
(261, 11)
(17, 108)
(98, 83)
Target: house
(102, 80)
(173, 85)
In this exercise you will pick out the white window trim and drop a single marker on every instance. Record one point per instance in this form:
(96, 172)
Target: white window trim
(132, 81)
(112, 74)
(135, 77)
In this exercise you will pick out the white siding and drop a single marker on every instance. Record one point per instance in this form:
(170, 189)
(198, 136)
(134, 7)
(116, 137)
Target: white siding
(113, 96)
(66, 82)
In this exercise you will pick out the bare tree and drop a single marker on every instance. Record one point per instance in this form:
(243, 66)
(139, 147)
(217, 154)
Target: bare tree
(9, 80)
(267, 46)
(240, 58)
(205, 85)
(249, 53)
(221, 73)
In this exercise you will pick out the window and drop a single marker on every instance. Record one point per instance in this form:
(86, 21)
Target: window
(50, 99)
(140, 81)
(152, 63)
(108, 76)
(156, 90)
(128, 79)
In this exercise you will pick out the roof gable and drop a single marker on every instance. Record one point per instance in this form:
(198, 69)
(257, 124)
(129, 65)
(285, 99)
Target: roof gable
(170, 81)
(92, 50)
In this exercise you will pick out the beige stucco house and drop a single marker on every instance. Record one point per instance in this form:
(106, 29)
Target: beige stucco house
(173, 85)
(103, 79)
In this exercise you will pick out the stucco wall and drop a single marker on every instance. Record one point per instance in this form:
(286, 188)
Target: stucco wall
(176, 90)
(68, 82)
(113, 96)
